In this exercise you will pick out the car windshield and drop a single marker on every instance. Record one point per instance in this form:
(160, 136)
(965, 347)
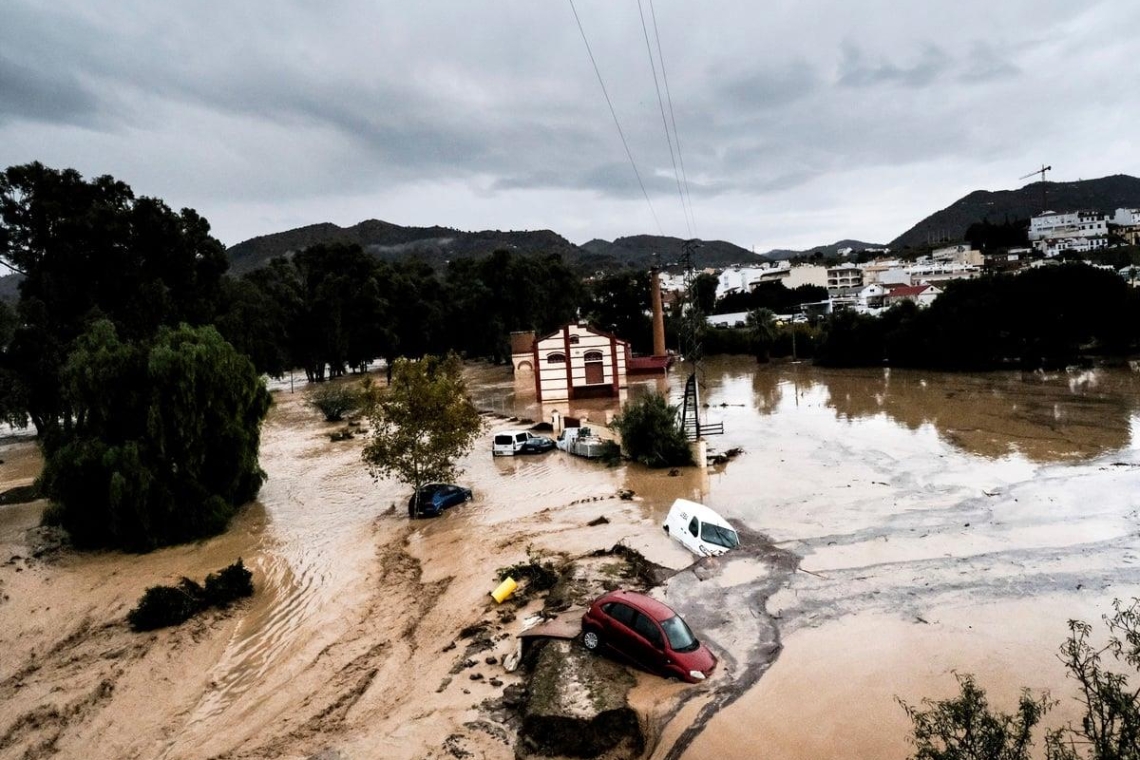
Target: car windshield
(681, 639)
(721, 536)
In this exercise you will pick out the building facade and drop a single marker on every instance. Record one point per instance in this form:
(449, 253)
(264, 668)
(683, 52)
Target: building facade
(577, 361)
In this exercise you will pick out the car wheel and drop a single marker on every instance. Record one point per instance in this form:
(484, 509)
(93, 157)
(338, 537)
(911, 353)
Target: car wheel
(591, 640)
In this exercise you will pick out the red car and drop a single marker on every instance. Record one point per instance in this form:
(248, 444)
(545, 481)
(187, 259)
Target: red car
(647, 632)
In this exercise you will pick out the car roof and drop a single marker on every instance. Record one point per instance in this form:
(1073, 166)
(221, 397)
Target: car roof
(705, 514)
(659, 611)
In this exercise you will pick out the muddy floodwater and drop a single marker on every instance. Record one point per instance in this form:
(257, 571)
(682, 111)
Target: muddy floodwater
(897, 526)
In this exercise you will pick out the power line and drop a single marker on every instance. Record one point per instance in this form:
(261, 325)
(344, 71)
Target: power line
(664, 121)
(672, 117)
(617, 123)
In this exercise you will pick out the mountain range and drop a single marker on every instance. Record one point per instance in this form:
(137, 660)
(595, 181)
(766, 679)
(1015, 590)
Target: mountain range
(437, 245)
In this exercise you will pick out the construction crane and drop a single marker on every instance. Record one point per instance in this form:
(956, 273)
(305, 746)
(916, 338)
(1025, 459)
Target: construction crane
(1041, 171)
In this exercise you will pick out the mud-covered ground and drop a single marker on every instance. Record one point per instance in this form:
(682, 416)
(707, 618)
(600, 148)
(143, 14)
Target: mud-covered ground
(897, 526)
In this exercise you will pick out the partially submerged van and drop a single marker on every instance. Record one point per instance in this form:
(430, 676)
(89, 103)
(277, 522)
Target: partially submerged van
(699, 529)
(507, 443)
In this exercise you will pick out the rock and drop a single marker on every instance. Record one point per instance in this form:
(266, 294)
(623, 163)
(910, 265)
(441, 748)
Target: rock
(514, 695)
(495, 682)
(476, 676)
(625, 494)
(492, 660)
(598, 521)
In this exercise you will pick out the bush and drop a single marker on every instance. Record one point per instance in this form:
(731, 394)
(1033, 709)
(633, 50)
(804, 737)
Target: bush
(651, 433)
(228, 585)
(164, 606)
(334, 400)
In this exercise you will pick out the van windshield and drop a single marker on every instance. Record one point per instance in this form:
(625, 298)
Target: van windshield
(681, 639)
(721, 536)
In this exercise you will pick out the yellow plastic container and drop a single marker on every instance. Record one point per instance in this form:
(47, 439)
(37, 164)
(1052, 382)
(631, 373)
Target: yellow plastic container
(504, 591)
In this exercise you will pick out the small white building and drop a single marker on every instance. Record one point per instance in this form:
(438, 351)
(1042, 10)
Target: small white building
(1127, 217)
(576, 361)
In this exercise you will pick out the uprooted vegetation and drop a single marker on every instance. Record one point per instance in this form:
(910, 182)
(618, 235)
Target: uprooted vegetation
(163, 606)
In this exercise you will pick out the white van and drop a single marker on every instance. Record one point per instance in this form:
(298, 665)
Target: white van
(699, 529)
(507, 443)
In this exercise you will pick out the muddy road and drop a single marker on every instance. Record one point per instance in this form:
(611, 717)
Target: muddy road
(897, 526)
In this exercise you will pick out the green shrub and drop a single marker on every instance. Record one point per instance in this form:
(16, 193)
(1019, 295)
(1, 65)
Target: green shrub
(651, 433)
(228, 585)
(162, 606)
(334, 400)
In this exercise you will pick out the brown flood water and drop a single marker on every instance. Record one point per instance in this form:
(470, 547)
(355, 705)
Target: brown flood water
(939, 522)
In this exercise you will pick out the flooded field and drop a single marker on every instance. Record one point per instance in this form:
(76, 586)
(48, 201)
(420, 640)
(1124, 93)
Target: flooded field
(899, 526)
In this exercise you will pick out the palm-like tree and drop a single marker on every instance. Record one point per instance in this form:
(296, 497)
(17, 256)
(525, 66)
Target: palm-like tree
(762, 328)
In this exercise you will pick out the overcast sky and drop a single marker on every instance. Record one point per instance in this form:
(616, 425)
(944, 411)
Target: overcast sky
(799, 123)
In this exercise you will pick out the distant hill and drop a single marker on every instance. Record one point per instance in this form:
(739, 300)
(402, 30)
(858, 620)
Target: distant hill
(438, 245)
(780, 254)
(1104, 195)
(639, 251)
(433, 245)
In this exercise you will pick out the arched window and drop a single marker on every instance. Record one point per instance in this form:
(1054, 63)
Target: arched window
(593, 356)
(573, 339)
(556, 358)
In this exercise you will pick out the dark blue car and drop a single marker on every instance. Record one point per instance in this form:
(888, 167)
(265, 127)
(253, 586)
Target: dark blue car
(436, 497)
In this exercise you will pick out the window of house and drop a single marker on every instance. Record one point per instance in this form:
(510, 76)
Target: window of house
(593, 356)
(556, 358)
(573, 339)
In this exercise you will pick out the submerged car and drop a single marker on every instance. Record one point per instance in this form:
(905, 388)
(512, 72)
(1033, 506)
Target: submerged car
(699, 529)
(648, 633)
(436, 497)
(511, 442)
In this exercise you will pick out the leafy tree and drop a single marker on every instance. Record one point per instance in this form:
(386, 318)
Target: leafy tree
(165, 440)
(334, 400)
(964, 727)
(342, 310)
(620, 303)
(651, 433)
(488, 298)
(704, 291)
(1110, 729)
(89, 250)
(422, 422)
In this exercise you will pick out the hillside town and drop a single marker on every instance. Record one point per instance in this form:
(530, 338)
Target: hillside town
(873, 286)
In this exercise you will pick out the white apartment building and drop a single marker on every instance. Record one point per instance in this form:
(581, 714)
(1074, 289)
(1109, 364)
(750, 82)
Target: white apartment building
(1054, 232)
(843, 277)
